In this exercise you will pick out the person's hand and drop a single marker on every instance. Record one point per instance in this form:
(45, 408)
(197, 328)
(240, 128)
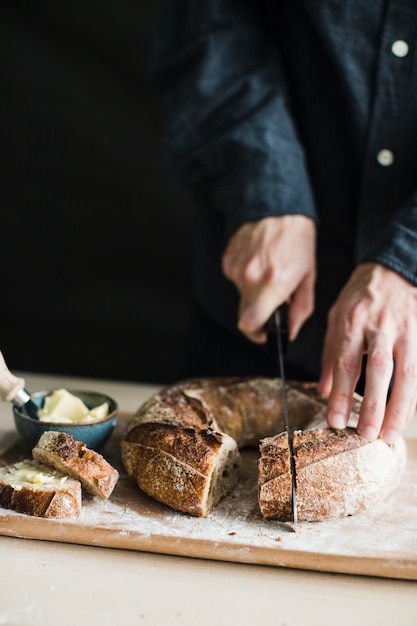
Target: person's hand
(272, 261)
(376, 313)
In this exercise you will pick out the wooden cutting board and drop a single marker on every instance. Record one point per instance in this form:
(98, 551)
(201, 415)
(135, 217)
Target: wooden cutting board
(381, 542)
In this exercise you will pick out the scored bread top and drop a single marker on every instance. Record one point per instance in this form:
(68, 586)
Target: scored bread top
(197, 447)
(309, 446)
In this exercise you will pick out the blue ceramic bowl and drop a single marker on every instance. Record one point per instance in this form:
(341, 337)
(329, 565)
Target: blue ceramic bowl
(93, 434)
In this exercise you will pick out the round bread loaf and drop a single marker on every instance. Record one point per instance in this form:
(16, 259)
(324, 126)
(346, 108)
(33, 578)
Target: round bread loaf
(182, 448)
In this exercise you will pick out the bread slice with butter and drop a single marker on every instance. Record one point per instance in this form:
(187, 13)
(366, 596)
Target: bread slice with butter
(33, 488)
(60, 451)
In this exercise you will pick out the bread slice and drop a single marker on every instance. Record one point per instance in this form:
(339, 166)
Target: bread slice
(60, 451)
(35, 489)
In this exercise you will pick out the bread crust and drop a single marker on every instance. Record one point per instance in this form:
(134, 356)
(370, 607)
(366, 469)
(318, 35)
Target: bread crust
(48, 501)
(60, 451)
(177, 441)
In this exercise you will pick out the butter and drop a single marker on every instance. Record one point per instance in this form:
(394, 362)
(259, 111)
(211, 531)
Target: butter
(27, 472)
(61, 406)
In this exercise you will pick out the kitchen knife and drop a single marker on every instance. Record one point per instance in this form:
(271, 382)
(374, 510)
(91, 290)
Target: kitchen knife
(12, 389)
(277, 329)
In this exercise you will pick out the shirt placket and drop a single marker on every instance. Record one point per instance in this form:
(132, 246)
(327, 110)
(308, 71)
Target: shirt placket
(392, 113)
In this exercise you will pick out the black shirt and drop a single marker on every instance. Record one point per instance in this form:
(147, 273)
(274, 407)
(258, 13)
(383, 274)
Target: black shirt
(295, 107)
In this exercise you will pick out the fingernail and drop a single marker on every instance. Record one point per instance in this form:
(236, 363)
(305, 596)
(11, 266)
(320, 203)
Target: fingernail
(369, 432)
(390, 435)
(337, 420)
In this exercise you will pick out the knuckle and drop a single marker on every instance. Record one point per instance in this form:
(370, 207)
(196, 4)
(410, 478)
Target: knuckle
(250, 272)
(380, 359)
(407, 370)
(383, 318)
(341, 399)
(396, 416)
(373, 407)
(272, 275)
(347, 364)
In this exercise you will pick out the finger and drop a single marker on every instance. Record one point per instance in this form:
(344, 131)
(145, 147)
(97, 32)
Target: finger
(346, 371)
(403, 392)
(410, 414)
(255, 309)
(325, 382)
(397, 418)
(412, 409)
(301, 306)
(235, 256)
(378, 374)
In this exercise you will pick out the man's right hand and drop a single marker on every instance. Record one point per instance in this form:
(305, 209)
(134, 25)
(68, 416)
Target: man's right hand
(272, 261)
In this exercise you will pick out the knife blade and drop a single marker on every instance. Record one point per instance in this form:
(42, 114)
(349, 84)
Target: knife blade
(277, 329)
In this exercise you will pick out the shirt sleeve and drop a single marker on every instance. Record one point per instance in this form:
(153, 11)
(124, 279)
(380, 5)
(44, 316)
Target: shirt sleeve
(225, 108)
(396, 246)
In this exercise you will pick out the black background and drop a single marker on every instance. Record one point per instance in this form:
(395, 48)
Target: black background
(95, 228)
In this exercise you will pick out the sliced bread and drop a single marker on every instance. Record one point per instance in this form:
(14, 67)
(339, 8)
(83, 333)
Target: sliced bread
(60, 451)
(35, 489)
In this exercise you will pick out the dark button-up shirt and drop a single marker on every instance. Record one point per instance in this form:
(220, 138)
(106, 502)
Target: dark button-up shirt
(295, 107)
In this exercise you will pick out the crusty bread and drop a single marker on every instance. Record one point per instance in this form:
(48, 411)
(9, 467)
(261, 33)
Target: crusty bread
(338, 473)
(181, 447)
(60, 451)
(35, 489)
(188, 469)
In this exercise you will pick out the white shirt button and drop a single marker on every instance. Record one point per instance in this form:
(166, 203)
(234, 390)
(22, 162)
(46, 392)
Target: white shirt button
(400, 48)
(385, 157)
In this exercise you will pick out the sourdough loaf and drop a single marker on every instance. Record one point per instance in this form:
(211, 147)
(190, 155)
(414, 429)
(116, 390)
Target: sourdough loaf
(182, 448)
(338, 473)
(35, 489)
(60, 451)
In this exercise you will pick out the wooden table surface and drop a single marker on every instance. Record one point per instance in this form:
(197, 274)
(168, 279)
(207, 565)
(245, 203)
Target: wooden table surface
(49, 583)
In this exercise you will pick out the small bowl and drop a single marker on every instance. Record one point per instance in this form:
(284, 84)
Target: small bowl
(93, 434)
